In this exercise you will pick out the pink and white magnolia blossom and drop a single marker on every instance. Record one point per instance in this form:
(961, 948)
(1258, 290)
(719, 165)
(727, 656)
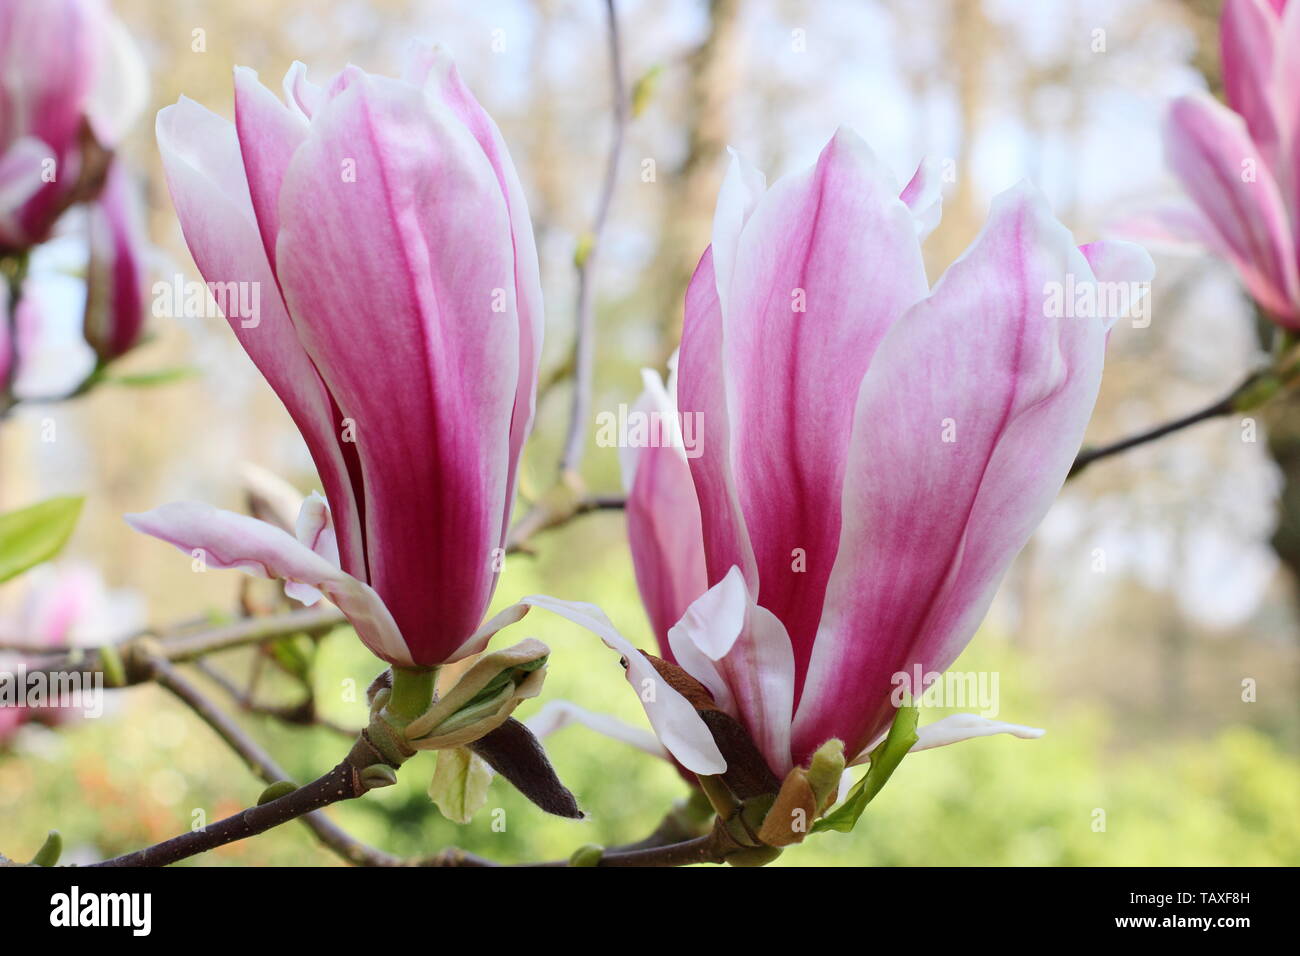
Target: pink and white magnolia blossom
(873, 452)
(1240, 163)
(70, 72)
(400, 323)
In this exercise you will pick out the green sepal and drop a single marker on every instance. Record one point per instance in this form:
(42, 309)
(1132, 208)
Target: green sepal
(884, 761)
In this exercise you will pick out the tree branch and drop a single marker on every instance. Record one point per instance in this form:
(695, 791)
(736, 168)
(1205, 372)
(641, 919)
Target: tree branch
(584, 344)
(1224, 406)
(178, 647)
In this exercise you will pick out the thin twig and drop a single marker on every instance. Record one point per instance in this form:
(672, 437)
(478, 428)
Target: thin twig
(1223, 406)
(584, 345)
(548, 514)
(181, 647)
(303, 714)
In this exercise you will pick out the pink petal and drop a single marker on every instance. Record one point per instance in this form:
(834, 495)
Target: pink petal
(924, 197)
(837, 241)
(399, 271)
(930, 525)
(301, 93)
(225, 539)
(663, 523)
(269, 134)
(1248, 42)
(205, 173)
(315, 530)
(701, 393)
(1207, 147)
(444, 82)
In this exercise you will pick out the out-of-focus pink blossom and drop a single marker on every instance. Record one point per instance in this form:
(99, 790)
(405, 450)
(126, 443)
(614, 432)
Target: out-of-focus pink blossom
(71, 84)
(1240, 163)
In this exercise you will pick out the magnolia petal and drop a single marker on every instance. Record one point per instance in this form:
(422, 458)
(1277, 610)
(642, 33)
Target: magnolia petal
(798, 336)
(301, 93)
(1208, 148)
(315, 530)
(663, 518)
(923, 195)
(741, 191)
(959, 727)
(120, 90)
(741, 653)
(205, 174)
(269, 134)
(702, 394)
(1248, 33)
(673, 718)
(224, 539)
(427, 207)
(966, 426)
(555, 715)
(435, 69)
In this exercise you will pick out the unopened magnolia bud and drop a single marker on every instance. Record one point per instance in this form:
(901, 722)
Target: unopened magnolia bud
(825, 770)
(754, 856)
(587, 855)
(51, 849)
(277, 790)
(483, 699)
(804, 795)
(378, 775)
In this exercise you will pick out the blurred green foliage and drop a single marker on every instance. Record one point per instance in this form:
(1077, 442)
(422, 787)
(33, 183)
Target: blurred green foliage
(148, 767)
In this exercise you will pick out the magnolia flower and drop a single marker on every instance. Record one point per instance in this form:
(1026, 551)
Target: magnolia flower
(71, 84)
(384, 228)
(1240, 163)
(872, 453)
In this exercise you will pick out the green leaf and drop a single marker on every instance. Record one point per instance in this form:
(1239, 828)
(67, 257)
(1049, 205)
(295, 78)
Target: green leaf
(159, 376)
(460, 784)
(34, 534)
(884, 761)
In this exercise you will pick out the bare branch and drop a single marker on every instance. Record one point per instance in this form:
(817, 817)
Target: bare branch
(584, 345)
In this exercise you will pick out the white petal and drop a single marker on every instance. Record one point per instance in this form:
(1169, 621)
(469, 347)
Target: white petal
(673, 718)
(558, 714)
